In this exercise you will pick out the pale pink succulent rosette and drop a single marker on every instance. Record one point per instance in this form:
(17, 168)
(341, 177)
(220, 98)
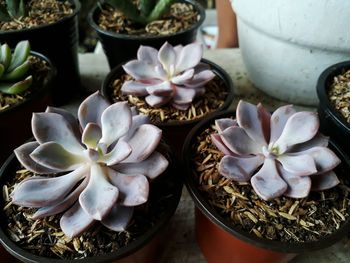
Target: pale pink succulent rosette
(106, 167)
(281, 154)
(172, 75)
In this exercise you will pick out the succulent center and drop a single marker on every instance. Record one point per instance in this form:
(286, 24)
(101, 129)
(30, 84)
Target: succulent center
(272, 151)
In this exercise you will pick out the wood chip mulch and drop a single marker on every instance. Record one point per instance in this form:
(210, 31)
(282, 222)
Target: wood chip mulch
(39, 70)
(339, 94)
(180, 17)
(214, 97)
(283, 219)
(40, 12)
(44, 237)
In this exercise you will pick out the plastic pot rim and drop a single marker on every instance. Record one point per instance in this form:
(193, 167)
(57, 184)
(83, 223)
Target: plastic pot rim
(46, 87)
(94, 25)
(322, 87)
(219, 72)
(121, 253)
(203, 205)
(76, 10)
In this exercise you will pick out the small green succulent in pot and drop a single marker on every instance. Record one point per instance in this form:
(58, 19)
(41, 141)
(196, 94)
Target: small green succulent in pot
(107, 166)
(12, 10)
(14, 68)
(172, 75)
(281, 154)
(144, 12)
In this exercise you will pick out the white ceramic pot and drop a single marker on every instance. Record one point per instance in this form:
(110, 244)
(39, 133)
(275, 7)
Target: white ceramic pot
(286, 44)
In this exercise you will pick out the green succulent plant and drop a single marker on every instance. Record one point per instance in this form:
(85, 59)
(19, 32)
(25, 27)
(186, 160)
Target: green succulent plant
(14, 68)
(12, 10)
(145, 12)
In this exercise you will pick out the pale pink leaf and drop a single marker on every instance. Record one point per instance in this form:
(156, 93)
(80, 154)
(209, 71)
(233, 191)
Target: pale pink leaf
(324, 181)
(239, 169)
(318, 140)
(278, 120)
(298, 186)
(265, 118)
(91, 135)
(144, 141)
(148, 54)
(190, 55)
(217, 141)
(167, 57)
(183, 95)
(68, 116)
(151, 167)
(182, 78)
(140, 70)
(135, 88)
(267, 183)
(301, 165)
(157, 101)
(183, 106)
(75, 221)
(137, 121)
(23, 155)
(119, 153)
(224, 123)
(99, 196)
(119, 218)
(200, 79)
(161, 89)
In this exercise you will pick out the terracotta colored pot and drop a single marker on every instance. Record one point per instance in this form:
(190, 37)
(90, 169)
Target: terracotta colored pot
(122, 47)
(15, 121)
(175, 132)
(59, 42)
(332, 123)
(220, 241)
(144, 249)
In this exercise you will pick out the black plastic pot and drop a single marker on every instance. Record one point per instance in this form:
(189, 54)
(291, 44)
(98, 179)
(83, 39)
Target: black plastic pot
(220, 241)
(332, 123)
(122, 47)
(145, 249)
(15, 121)
(175, 132)
(59, 42)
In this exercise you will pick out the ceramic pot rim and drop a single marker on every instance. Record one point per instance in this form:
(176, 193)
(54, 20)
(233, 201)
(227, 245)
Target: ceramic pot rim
(134, 246)
(46, 87)
(322, 85)
(219, 72)
(93, 24)
(203, 205)
(76, 10)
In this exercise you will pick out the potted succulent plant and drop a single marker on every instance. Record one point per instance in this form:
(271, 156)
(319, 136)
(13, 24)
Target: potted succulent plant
(26, 81)
(122, 26)
(174, 86)
(333, 87)
(54, 35)
(266, 186)
(97, 195)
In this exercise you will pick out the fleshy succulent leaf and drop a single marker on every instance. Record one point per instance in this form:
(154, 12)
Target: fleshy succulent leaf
(249, 119)
(135, 88)
(216, 139)
(267, 183)
(301, 165)
(116, 121)
(157, 101)
(299, 128)
(239, 169)
(70, 118)
(139, 69)
(161, 89)
(53, 127)
(23, 155)
(199, 79)
(133, 189)
(324, 181)
(91, 109)
(119, 153)
(118, 218)
(20, 55)
(99, 196)
(152, 167)
(137, 121)
(16, 88)
(144, 141)
(75, 221)
(91, 135)
(279, 119)
(38, 192)
(148, 54)
(167, 57)
(54, 156)
(6, 55)
(298, 186)
(184, 95)
(190, 55)
(223, 124)
(17, 73)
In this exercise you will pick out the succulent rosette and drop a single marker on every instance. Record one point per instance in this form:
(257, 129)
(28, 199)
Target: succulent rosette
(281, 154)
(104, 170)
(171, 75)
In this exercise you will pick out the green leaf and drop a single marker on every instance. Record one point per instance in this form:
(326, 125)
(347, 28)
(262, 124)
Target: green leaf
(5, 56)
(22, 9)
(20, 55)
(161, 7)
(2, 69)
(128, 9)
(15, 8)
(4, 15)
(18, 72)
(19, 87)
(146, 7)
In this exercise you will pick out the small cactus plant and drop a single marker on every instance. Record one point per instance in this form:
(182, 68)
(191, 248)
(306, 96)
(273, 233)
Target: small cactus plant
(14, 9)
(14, 68)
(281, 154)
(171, 75)
(106, 167)
(146, 12)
